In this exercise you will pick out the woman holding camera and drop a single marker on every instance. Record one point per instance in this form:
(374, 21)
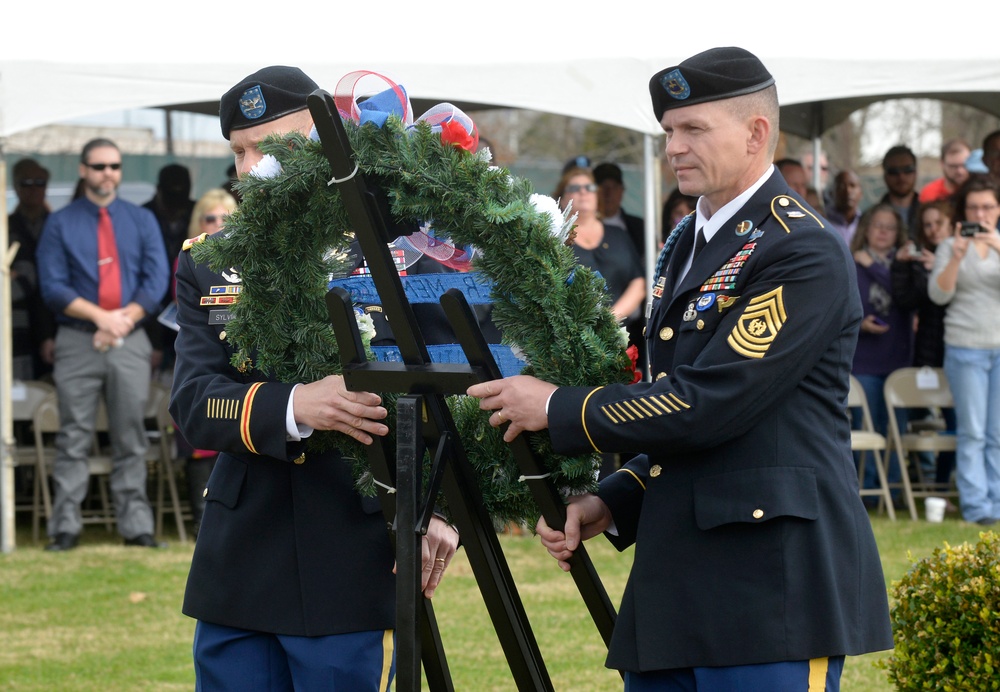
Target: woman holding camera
(966, 278)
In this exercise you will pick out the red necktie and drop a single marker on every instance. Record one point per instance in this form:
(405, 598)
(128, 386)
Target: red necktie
(109, 285)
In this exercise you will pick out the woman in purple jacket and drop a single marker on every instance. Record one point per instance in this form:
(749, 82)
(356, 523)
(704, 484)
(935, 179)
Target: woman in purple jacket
(885, 342)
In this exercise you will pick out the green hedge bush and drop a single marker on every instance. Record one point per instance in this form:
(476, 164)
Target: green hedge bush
(946, 620)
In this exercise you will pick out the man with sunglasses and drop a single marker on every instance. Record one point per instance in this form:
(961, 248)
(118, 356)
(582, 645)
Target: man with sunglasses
(102, 269)
(899, 171)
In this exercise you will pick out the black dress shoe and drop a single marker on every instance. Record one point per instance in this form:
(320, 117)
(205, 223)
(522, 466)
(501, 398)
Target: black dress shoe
(62, 542)
(986, 521)
(144, 540)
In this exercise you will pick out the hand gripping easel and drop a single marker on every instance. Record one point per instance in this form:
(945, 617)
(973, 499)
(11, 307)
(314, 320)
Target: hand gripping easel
(424, 422)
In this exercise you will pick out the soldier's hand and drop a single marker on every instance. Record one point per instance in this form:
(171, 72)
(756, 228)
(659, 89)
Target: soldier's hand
(437, 549)
(586, 517)
(328, 405)
(520, 399)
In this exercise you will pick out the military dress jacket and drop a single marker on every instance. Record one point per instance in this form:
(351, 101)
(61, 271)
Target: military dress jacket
(751, 542)
(286, 545)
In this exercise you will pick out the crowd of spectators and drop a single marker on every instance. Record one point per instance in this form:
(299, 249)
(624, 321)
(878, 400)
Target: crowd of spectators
(919, 286)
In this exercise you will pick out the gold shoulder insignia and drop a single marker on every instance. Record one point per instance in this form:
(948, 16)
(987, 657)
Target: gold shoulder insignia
(759, 324)
(785, 207)
(191, 242)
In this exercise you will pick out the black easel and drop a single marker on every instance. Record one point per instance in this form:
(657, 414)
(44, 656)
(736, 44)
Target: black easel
(424, 421)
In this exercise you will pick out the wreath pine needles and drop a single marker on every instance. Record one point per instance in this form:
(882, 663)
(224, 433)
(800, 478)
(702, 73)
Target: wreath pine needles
(291, 233)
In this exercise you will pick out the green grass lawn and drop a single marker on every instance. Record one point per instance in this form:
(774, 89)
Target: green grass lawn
(105, 617)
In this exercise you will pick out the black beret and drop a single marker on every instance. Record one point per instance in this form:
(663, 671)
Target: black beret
(266, 95)
(715, 74)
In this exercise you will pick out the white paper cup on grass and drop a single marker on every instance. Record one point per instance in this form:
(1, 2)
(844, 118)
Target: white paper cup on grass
(934, 509)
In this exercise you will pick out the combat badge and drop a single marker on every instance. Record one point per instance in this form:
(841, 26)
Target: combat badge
(759, 324)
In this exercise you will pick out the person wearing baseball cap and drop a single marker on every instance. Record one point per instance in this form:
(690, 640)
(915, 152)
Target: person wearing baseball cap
(292, 576)
(754, 563)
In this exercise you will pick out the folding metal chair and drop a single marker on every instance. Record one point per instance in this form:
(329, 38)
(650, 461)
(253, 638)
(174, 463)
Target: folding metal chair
(867, 441)
(919, 388)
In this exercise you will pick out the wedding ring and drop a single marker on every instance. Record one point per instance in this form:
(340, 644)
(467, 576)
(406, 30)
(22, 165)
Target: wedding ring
(500, 416)
(439, 559)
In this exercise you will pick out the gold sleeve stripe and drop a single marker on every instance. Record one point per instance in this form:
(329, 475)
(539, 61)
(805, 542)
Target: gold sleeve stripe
(659, 407)
(612, 415)
(679, 402)
(583, 419)
(637, 410)
(628, 405)
(223, 408)
(637, 479)
(245, 420)
(645, 407)
(667, 403)
(621, 410)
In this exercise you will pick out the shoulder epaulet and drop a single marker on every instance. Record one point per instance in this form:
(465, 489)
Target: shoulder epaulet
(789, 211)
(191, 242)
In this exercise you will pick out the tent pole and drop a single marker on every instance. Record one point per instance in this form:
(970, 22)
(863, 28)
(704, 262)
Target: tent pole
(652, 181)
(652, 177)
(7, 533)
(169, 130)
(817, 146)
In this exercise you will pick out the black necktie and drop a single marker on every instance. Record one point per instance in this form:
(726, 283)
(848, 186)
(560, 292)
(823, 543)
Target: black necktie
(699, 243)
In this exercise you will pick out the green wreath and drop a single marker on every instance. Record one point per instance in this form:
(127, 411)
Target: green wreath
(554, 310)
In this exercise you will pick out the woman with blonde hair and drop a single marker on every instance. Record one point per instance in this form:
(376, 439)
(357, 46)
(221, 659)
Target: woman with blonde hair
(210, 212)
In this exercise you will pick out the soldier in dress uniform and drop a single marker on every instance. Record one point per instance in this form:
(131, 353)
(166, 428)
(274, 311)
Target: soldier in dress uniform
(291, 580)
(755, 565)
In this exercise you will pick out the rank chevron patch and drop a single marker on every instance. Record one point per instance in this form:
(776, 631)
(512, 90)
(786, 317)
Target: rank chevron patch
(759, 324)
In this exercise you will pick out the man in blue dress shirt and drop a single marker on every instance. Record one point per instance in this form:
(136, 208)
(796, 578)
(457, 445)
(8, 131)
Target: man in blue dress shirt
(102, 269)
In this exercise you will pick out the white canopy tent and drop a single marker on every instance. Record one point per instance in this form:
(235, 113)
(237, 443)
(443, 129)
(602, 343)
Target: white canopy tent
(520, 54)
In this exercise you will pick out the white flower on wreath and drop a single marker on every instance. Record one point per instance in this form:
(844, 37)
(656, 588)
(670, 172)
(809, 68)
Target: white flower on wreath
(623, 336)
(267, 167)
(560, 222)
(365, 325)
